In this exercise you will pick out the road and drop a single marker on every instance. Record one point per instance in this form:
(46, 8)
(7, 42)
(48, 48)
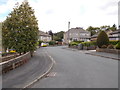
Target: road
(74, 69)
(23, 75)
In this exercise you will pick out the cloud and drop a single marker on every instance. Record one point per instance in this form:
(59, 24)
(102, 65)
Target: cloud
(55, 14)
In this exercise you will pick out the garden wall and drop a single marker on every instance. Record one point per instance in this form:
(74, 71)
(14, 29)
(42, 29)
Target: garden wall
(14, 63)
(114, 51)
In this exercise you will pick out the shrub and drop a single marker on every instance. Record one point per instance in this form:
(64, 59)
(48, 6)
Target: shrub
(39, 42)
(89, 43)
(113, 42)
(102, 39)
(52, 43)
(73, 43)
(117, 45)
(78, 41)
(104, 46)
(110, 46)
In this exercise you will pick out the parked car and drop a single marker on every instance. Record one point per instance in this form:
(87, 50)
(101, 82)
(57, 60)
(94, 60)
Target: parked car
(12, 50)
(44, 44)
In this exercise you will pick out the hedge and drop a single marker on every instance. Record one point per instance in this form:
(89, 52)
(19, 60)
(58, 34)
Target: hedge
(92, 43)
(73, 43)
(117, 45)
(113, 42)
(89, 43)
(52, 43)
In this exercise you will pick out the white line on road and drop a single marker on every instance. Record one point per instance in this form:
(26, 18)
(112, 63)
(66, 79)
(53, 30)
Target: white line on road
(46, 73)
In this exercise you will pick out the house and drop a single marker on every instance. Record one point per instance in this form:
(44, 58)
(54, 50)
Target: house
(115, 35)
(94, 37)
(44, 36)
(76, 34)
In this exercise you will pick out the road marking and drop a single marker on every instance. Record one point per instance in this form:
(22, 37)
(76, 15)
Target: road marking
(50, 57)
(52, 74)
(43, 75)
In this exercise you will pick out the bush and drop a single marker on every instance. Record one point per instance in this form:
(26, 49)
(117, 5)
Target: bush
(78, 41)
(52, 43)
(117, 45)
(87, 44)
(104, 46)
(110, 46)
(113, 42)
(39, 42)
(102, 39)
(73, 43)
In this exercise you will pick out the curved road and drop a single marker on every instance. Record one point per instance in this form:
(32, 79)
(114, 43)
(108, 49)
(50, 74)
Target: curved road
(28, 72)
(74, 69)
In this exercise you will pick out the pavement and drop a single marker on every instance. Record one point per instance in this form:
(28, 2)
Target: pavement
(100, 54)
(29, 73)
(105, 55)
(75, 69)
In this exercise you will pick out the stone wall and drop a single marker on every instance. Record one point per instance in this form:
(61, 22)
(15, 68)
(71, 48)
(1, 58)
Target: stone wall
(14, 63)
(114, 51)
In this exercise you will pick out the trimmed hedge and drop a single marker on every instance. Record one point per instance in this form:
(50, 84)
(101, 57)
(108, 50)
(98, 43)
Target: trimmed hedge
(52, 43)
(102, 39)
(113, 42)
(73, 43)
(89, 43)
(117, 45)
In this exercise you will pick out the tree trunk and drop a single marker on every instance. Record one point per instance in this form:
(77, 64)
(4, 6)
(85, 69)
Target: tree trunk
(31, 53)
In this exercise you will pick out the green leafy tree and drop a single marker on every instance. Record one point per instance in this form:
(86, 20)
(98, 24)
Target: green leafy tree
(93, 30)
(5, 36)
(102, 39)
(114, 27)
(105, 27)
(58, 36)
(22, 28)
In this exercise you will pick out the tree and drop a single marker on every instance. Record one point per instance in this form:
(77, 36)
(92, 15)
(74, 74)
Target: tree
(102, 39)
(22, 28)
(50, 33)
(5, 36)
(113, 28)
(105, 27)
(93, 30)
(58, 36)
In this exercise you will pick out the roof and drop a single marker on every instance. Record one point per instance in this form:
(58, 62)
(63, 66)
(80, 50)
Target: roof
(116, 32)
(107, 32)
(41, 33)
(78, 29)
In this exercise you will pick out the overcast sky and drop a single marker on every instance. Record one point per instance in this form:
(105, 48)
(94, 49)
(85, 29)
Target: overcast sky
(55, 14)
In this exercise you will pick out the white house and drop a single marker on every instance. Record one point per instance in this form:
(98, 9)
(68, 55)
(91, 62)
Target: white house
(44, 36)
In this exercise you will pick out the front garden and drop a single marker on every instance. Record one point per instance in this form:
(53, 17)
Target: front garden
(102, 44)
